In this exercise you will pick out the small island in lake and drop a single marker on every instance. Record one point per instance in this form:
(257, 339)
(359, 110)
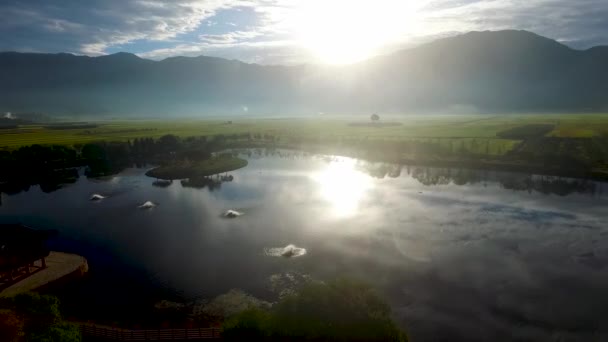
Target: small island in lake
(200, 168)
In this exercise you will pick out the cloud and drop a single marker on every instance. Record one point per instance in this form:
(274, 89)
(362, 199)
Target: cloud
(580, 24)
(267, 31)
(265, 51)
(230, 37)
(94, 26)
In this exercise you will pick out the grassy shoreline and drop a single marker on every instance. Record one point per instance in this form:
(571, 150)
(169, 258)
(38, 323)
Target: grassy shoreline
(561, 145)
(211, 166)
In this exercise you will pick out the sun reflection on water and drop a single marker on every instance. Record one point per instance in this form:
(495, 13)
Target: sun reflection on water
(343, 186)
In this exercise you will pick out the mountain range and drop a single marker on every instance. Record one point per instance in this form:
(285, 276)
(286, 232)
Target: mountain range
(492, 71)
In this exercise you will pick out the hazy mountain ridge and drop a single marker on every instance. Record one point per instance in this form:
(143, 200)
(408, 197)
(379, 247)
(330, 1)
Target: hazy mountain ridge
(484, 71)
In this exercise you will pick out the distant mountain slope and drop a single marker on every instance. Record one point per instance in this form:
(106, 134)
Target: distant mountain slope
(484, 71)
(507, 70)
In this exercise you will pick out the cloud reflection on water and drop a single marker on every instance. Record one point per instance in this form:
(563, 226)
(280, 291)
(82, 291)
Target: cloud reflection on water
(505, 256)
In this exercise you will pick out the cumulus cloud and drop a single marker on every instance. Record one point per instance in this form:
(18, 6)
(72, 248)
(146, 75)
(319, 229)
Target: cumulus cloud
(94, 26)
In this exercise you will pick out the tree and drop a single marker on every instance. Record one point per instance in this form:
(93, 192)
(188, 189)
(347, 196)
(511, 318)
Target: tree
(93, 152)
(375, 118)
(169, 142)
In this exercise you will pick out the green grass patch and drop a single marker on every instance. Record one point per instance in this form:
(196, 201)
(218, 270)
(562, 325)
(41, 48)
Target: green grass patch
(189, 169)
(478, 134)
(526, 131)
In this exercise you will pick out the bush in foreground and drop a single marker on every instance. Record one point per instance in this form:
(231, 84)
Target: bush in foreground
(337, 311)
(33, 317)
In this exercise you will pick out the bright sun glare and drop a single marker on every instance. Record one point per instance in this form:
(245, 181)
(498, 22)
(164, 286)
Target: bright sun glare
(346, 31)
(343, 186)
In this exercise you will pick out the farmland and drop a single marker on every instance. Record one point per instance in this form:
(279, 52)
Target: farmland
(441, 128)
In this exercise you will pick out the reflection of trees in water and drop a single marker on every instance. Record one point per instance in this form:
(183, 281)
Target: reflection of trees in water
(554, 185)
(210, 182)
(52, 180)
(512, 181)
(442, 176)
(162, 183)
(14, 188)
(381, 170)
(49, 181)
(426, 176)
(258, 153)
(460, 176)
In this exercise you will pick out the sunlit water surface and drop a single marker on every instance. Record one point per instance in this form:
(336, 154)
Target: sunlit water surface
(469, 255)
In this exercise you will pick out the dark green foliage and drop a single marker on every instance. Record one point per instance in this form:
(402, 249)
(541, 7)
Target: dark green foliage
(565, 153)
(169, 142)
(196, 154)
(40, 319)
(71, 126)
(54, 165)
(38, 311)
(526, 131)
(341, 310)
(49, 166)
(211, 166)
(58, 332)
(105, 158)
(93, 152)
(252, 324)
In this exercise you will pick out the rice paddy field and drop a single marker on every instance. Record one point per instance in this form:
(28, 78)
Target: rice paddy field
(470, 132)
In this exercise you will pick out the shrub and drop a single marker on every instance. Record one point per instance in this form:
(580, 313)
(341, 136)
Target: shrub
(39, 319)
(252, 324)
(341, 310)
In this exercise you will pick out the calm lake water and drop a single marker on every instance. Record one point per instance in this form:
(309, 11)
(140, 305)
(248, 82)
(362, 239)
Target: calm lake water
(461, 254)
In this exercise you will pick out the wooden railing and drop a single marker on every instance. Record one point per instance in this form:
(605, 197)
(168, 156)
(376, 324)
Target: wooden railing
(116, 334)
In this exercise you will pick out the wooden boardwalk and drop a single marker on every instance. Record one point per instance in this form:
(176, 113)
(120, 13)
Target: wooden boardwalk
(58, 266)
(96, 332)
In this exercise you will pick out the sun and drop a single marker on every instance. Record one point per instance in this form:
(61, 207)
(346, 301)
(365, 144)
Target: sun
(348, 31)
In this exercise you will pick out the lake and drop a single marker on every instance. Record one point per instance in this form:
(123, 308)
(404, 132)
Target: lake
(461, 254)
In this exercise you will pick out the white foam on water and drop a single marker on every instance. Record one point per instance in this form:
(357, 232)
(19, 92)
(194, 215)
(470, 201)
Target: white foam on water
(289, 251)
(147, 205)
(97, 197)
(232, 213)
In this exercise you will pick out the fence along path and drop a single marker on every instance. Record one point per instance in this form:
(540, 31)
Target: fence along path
(116, 334)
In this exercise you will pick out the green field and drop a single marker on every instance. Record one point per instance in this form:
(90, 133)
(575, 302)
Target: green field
(470, 132)
(445, 128)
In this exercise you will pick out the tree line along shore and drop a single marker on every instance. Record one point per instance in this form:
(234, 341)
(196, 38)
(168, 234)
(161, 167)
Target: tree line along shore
(531, 150)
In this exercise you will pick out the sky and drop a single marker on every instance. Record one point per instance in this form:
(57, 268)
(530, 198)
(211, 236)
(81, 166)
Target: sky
(282, 31)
